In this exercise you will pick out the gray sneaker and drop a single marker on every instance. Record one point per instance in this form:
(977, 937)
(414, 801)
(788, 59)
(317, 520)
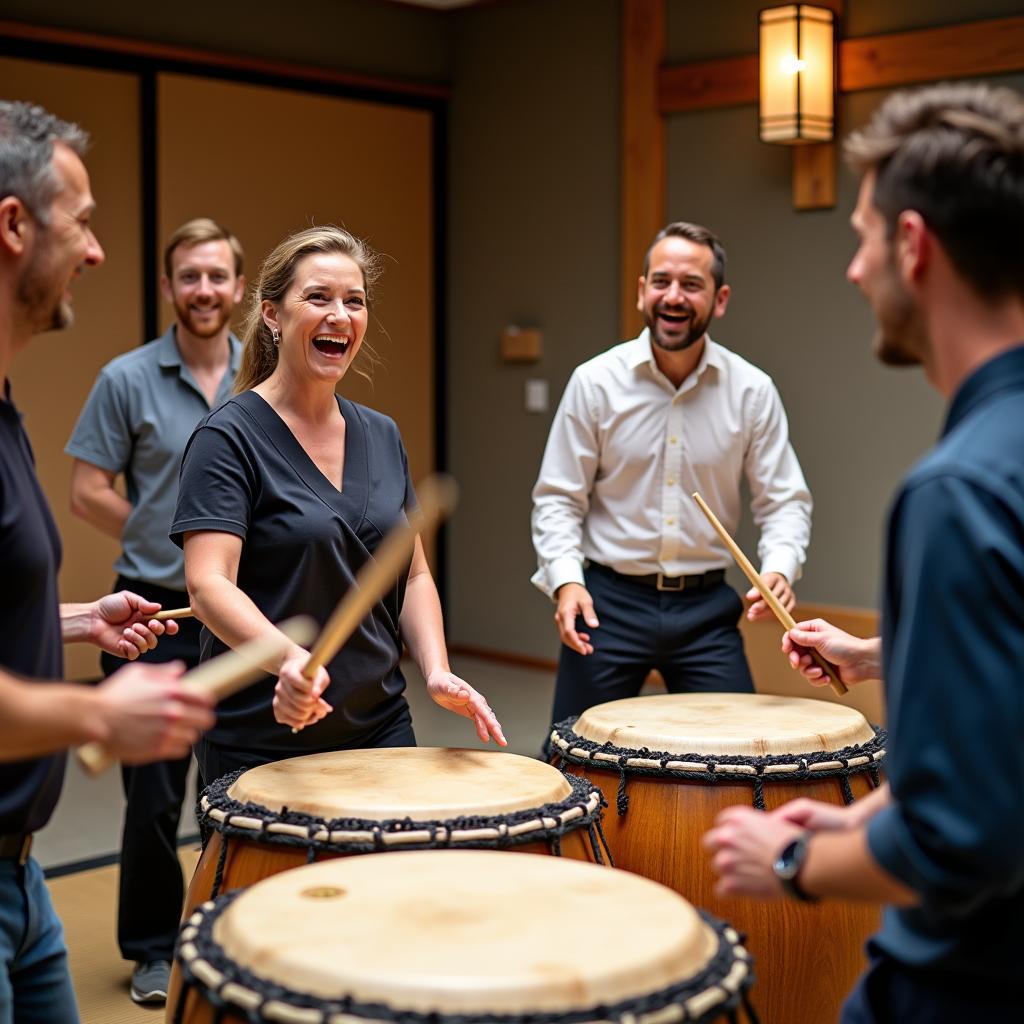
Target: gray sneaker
(150, 980)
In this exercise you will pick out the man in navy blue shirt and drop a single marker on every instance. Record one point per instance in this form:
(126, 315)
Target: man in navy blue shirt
(940, 218)
(141, 713)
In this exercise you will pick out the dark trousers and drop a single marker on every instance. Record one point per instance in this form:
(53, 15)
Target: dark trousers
(889, 992)
(689, 636)
(151, 886)
(217, 760)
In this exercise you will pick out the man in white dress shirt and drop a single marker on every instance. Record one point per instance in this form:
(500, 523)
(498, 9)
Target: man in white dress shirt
(635, 568)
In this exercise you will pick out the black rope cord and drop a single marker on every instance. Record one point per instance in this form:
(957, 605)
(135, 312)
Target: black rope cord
(439, 833)
(711, 976)
(565, 742)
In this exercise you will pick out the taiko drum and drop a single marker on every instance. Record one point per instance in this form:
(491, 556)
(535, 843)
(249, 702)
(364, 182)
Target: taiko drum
(457, 936)
(668, 764)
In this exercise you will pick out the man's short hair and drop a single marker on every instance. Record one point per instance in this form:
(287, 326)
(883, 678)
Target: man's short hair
(954, 153)
(693, 233)
(28, 134)
(197, 231)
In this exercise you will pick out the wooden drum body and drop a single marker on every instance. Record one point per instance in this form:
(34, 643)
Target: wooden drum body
(457, 935)
(668, 764)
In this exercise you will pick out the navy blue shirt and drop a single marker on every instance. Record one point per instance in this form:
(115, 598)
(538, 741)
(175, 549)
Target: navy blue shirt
(30, 635)
(953, 659)
(245, 473)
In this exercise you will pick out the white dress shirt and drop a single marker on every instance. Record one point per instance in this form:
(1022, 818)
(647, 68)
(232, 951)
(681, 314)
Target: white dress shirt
(627, 450)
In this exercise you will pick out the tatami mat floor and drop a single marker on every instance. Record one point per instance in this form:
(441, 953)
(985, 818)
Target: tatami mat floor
(87, 826)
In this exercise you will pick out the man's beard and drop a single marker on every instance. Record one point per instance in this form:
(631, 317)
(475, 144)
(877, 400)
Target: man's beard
(35, 293)
(695, 331)
(900, 338)
(187, 317)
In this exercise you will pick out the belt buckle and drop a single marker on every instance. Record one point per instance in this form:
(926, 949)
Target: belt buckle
(678, 581)
(26, 849)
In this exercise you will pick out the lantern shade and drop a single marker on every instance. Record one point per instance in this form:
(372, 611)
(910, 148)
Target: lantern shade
(797, 69)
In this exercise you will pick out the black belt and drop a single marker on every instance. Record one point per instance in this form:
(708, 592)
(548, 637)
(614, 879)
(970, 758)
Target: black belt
(658, 580)
(16, 847)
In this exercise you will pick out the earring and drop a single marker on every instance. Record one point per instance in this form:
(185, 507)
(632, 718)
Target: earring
(276, 334)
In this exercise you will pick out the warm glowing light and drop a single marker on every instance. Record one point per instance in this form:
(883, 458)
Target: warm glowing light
(797, 74)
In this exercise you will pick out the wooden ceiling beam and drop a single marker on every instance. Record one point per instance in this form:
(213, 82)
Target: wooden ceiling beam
(990, 47)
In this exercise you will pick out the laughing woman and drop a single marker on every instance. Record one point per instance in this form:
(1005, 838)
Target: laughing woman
(286, 491)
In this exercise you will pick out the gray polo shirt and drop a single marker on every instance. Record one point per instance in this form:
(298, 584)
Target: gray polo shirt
(137, 420)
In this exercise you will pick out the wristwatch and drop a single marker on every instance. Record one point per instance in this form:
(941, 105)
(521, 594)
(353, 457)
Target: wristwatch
(787, 869)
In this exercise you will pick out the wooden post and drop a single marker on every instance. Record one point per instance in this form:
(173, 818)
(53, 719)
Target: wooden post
(643, 148)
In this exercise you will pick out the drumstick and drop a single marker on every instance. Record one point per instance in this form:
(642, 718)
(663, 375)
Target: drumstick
(838, 686)
(438, 494)
(173, 613)
(222, 676)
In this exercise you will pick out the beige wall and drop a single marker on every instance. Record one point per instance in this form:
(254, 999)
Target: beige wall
(272, 161)
(52, 377)
(319, 159)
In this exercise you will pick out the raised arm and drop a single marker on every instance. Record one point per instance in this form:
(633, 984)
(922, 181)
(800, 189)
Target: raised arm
(211, 574)
(857, 659)
(121, 624)
(141, 713)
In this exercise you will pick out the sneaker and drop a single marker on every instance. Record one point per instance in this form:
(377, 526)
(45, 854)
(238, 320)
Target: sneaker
(150, 980)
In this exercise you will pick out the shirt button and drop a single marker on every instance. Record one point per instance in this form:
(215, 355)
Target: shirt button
(670, 481)
(673, 440)
(669, 522)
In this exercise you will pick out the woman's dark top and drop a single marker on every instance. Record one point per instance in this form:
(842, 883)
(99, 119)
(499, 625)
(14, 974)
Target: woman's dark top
(304, 541)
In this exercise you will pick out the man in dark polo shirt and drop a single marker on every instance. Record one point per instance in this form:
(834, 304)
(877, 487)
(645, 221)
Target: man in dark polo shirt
(136, 423)
(940, 219)
(141, 713)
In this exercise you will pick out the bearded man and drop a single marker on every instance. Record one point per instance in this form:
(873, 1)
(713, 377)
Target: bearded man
(136, 422)
(636, 570)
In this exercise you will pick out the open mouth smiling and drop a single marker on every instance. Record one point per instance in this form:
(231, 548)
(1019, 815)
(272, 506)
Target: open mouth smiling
(330, 346)
(673, 319)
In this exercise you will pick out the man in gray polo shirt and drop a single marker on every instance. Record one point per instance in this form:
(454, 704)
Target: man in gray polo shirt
(136, 422)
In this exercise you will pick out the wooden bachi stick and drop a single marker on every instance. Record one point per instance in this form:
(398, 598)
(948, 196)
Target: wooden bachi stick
(222, 676)
(838, 686)
(437, 496)
(173, 613)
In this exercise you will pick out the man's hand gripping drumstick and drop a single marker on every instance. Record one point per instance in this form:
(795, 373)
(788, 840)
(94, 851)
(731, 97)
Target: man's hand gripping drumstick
(785, 619)
(297, 698)
(221, 677)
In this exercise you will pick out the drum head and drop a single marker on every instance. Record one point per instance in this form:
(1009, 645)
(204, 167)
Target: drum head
(725, 723)
(460, 931)
(403, 782)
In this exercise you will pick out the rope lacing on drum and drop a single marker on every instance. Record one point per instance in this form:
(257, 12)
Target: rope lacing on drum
(759, 791)
(198, 949)
(573, 749)
(254, 822)
(844, 784)
(218, 875)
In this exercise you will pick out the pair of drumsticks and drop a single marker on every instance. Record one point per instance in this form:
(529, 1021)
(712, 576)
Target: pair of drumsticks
(230, 672)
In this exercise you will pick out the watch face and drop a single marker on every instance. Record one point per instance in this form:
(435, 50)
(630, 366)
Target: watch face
(790, 860)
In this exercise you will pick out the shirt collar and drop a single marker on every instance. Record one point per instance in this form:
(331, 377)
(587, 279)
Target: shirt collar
(641, 352)
(168, 354)
(1004, 372)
